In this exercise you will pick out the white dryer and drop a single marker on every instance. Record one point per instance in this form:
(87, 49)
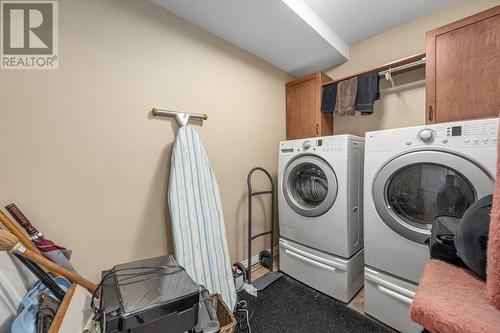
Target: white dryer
(320, 199)
(412, 175)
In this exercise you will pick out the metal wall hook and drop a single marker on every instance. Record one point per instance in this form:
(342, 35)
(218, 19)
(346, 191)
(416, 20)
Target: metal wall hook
(181, 117)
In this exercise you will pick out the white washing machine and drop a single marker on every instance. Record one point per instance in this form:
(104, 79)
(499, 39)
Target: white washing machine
(321, 224)
(412, 175)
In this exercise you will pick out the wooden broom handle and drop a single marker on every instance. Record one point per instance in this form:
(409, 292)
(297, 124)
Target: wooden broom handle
(18, 233)
(53, 267)
(12, 227)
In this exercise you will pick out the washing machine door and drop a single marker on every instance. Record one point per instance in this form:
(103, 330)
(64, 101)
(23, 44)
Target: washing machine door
(309, 185)
(412, 189)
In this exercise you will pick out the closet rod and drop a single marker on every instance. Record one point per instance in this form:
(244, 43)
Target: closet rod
(171, 113)
(399, 65)
(416, 63)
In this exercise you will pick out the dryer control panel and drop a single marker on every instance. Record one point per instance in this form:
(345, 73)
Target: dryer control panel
(480, 133)
(467, 133)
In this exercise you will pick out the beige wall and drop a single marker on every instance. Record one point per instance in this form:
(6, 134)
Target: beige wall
(85, 162)
(405, 105)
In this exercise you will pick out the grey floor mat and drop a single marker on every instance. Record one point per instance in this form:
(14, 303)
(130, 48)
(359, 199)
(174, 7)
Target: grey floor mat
(288, 306)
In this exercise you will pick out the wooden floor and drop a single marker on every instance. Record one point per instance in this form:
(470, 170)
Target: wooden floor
(258, 270)
(357, 303)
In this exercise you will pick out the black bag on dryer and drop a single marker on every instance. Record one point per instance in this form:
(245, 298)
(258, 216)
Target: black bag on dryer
(442, 243)
(471, 237)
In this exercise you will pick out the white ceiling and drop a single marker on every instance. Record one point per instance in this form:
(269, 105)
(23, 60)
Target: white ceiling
(357, 20)
(299, 36)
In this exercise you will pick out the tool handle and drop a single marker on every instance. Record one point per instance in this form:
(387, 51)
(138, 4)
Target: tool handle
(21, 219)
(18, 233)
(53, 267)
(12, 227)
(42, 276)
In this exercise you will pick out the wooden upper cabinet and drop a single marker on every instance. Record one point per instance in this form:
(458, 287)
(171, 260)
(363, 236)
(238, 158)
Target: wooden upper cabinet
(303, 108)
(463, 69)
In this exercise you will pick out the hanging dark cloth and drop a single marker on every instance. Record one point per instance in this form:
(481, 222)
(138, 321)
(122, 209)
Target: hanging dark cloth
(346, 97)
(328, 99)
(368, 93)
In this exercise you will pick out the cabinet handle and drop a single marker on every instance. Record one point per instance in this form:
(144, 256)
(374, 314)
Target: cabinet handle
(431, 114)
(317, 128)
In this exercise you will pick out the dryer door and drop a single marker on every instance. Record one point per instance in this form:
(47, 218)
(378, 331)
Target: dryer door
(412, 189)
(310, 185)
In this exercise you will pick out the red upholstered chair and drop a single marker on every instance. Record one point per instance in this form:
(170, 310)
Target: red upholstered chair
(453, 299)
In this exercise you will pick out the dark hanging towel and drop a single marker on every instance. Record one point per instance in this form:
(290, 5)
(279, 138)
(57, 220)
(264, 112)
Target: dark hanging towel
(329, 98)
(346, 97)
(368, 93)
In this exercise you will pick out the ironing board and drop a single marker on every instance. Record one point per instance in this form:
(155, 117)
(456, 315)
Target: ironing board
(197, 219)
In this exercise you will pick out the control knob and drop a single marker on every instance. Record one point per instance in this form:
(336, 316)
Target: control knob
(306, 145)
(426, 135)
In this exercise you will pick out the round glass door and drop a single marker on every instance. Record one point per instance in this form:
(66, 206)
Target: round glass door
(411, 190)
(309, 186)
(420, 192)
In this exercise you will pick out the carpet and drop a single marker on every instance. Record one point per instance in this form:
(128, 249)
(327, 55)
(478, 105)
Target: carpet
(288, 306)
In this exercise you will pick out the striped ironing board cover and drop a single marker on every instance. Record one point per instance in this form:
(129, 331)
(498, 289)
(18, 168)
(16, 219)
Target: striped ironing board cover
(199, 232)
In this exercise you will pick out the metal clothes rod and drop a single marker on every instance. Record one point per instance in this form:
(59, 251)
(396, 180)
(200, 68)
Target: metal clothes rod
(403, 67)
(399, 65)
(171, 113)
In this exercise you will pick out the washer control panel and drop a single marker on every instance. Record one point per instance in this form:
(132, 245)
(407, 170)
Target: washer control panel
(322, 144)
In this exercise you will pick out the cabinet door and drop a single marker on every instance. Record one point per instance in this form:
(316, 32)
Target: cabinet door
(463, 69)
(301, 108)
